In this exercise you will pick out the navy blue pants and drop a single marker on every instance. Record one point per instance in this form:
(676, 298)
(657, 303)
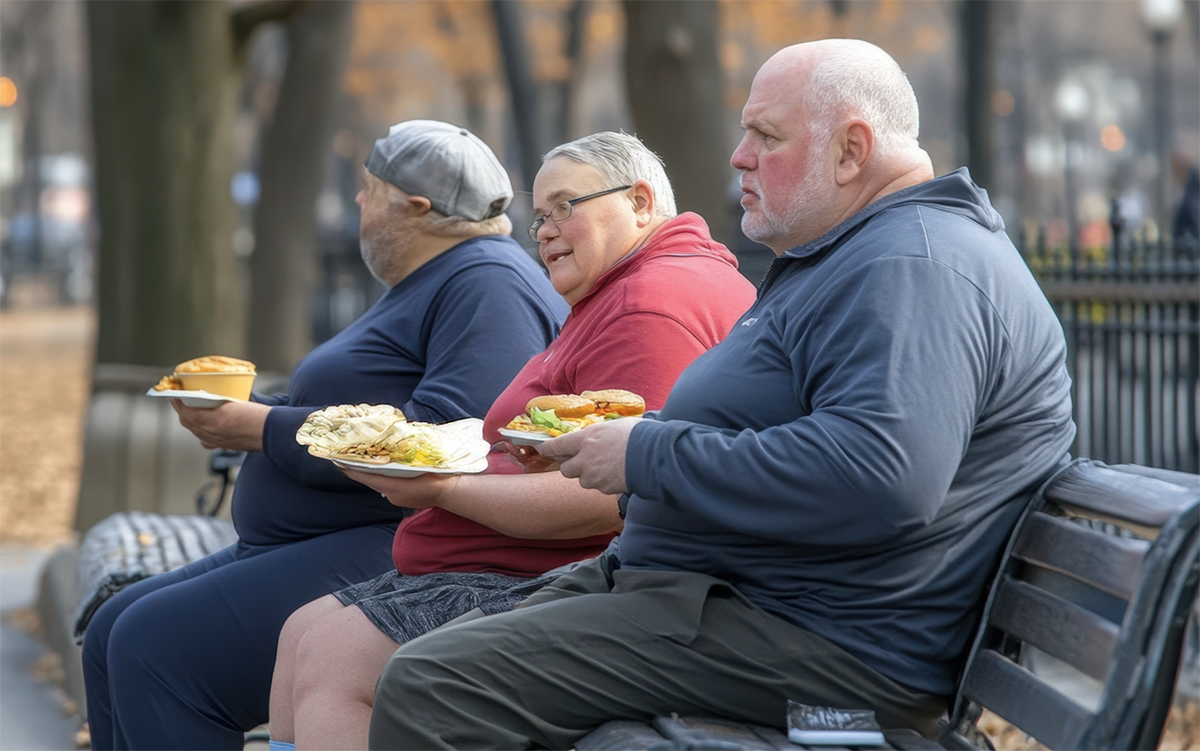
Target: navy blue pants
(183, 660)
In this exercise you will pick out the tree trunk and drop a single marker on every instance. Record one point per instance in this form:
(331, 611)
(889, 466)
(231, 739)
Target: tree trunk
(1193, 10)
(569, 89)
(164, 78)
(283, 265)
(522, 94)
(673, 79)
(976, 41)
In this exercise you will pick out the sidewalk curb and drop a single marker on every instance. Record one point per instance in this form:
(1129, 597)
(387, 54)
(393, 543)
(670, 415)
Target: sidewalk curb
(56, 607)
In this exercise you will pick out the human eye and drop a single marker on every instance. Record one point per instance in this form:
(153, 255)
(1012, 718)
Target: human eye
(561, 211)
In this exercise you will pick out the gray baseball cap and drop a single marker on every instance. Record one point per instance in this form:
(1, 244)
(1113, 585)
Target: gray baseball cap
(447, 164)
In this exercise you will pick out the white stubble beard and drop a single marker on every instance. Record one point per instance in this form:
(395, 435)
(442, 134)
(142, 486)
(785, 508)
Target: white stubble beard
(770, 225)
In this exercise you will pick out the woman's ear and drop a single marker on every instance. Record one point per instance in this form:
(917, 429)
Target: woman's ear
(643, 202)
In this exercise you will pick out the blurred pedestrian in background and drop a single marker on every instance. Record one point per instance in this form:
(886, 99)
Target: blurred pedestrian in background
(1186, 229)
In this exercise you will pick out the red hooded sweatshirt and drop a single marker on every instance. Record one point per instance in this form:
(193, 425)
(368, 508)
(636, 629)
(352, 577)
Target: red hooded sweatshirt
(642, 323)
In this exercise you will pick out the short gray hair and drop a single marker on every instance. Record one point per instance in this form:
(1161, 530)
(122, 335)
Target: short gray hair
(864, 81)
(622, 159)
(456, 226)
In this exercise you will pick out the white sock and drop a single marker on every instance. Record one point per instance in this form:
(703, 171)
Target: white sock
(275, 745)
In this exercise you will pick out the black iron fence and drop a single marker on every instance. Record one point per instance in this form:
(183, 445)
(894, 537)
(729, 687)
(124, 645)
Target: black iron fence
(1131, 315)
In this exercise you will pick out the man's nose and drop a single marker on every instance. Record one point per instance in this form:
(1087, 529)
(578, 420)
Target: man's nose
(743, 158)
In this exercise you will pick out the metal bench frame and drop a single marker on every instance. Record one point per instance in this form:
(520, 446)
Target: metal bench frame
(1100, 573)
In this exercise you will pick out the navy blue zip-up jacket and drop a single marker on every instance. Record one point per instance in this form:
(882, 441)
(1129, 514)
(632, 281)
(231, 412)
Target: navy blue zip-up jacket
(441, 345)
(853, 456)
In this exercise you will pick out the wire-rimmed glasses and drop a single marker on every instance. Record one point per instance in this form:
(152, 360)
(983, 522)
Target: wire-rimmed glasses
(562, 212)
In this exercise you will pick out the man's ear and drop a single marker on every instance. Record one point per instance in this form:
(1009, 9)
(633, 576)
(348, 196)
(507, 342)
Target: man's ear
(856, 143)
(419, 205)
(643, 202)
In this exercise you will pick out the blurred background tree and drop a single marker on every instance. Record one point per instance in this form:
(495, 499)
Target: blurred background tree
(247, 157)
(164, 81)
(675, 86)
(284, 263)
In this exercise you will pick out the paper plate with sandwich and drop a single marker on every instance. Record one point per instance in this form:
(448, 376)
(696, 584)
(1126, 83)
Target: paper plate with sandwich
(377, 438)
(547, 417)
(207, 382)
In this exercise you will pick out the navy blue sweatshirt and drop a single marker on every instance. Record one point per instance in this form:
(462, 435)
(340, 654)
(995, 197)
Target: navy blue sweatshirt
(853, 456)
(440, 345)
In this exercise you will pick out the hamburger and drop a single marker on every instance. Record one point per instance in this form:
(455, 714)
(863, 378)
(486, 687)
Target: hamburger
(563, 413)
(617, 402)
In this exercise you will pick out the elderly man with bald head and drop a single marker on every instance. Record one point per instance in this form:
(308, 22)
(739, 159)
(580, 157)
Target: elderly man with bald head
(816, 511)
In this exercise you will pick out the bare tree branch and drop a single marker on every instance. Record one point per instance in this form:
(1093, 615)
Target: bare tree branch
(246, 18)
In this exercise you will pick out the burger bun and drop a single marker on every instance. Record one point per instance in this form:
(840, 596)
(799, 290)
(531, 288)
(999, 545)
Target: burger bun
(618, 401)
(564, 405)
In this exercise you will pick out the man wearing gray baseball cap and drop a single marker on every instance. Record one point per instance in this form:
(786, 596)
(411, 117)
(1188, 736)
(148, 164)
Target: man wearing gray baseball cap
(466, 308)
(456, 171)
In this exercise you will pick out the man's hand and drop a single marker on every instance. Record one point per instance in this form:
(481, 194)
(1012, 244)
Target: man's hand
(529, 458)
(423, 491)
(596, 454)
(237, 426)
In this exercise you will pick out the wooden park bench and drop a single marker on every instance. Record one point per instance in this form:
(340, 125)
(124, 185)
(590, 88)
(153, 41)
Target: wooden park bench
(1100, 575)
(140, 463)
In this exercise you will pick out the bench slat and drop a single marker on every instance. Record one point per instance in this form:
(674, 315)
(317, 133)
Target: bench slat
(774, 737)
(706, 732)
(700, 733)
(1107, 562)
(1059, 628)
(619, 735)
(909, 740)
(1137, 502)
(1019, 696)
(1186, 479)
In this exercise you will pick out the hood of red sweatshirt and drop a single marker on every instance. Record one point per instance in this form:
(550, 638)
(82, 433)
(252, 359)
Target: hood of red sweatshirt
(685, 235)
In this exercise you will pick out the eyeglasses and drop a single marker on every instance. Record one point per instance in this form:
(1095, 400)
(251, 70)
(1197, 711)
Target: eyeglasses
(562, 212)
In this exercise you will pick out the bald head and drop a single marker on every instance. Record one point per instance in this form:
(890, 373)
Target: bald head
(831, 126)
(853, 78)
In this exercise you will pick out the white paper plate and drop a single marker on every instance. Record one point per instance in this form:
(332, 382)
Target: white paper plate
(525, 438)
(403, 470)
(201, 399)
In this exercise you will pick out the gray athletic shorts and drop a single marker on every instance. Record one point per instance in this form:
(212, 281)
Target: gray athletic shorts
(405, 607)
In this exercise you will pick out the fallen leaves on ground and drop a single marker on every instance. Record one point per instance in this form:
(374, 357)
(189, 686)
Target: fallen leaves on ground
(1182, 732)
(45, 367)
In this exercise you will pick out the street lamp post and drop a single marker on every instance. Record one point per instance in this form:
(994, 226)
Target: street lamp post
(1072, 101)
(1161, 17)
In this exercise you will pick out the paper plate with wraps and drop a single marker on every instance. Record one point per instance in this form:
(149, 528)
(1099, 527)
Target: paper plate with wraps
(377, 438)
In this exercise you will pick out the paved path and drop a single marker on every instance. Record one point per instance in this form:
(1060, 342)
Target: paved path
(31, 717)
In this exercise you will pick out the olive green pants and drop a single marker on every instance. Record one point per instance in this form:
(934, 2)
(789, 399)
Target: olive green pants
(599, 645)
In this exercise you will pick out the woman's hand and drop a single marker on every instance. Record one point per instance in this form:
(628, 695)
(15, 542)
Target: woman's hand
(236, 426)
(422, 491)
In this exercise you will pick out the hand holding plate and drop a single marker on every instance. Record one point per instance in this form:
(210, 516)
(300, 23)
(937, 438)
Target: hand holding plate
(423, 491)
(595, 455)
(531, 461)
(237, 426)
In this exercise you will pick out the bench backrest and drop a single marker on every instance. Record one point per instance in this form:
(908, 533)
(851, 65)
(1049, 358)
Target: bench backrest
(1100, 574)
